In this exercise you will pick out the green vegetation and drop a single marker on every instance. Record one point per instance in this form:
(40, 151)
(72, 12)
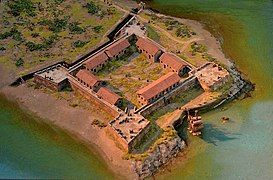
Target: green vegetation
(175, 27)
(19, 62)
(14, 33)
(152, 33)
(130, 76)
(21, 6)
(92, 7)
(176, 102)
(149, 138)
(168, 134)
(75, 28)
(47, 43)
(116, 63)
(51, 30)
(197, 48)
(2, 48)
(79, 43)
(97, 29)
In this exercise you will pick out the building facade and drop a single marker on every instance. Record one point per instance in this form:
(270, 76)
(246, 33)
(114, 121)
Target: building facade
(174, 63)
(149, 48)
(117, 49)
(88, 80)
(158, 88)
(54, 78)
(109, 96)
(95, 63)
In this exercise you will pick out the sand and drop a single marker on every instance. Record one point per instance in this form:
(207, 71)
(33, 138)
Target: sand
(76, 121)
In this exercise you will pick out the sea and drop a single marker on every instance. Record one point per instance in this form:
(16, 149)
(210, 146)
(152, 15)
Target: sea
(239, 149)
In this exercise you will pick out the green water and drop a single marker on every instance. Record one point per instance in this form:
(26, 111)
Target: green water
(30, 149)
(242, 148)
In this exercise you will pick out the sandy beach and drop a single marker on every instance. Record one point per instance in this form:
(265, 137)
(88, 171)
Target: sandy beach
(75, 121)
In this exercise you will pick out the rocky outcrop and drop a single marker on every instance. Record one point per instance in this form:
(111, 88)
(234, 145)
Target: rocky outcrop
(161, 155)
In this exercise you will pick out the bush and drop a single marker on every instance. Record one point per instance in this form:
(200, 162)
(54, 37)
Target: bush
(75, 28)
(19, 62)
(79, 43)
(183, 31)
(97, 29)
(19, 6)
(197, 48)
(58, 1)
(47, 43)
(33, 46)
(5, 35)
(2, 48)
(92, 7)
(14, 33)
(57, 25)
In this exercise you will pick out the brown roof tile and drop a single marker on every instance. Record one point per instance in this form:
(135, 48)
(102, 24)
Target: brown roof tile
(159, 85)
(117, 47)
(173, 61)
(96, 60)
(87, 77)
(108, 95)
(148, 45)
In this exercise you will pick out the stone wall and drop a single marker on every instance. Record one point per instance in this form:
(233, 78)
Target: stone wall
(87, 93)
(49, 84)
(138, 138)
(162, 154)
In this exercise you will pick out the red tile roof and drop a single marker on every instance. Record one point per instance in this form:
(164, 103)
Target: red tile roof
(159, 85)
(108, 95)
(117, 47)
(96, 60)
(148, 45)
(87, 77)
(173, 61)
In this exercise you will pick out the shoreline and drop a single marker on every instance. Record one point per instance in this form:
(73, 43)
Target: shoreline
(29, 99)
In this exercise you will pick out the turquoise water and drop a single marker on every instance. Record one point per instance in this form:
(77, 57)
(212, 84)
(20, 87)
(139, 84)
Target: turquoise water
(242, 148)
(30, 149)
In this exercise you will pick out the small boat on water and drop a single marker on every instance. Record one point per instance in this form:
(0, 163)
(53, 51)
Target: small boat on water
(195, 124)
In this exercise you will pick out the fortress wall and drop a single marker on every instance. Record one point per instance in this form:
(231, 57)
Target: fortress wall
(88, 94)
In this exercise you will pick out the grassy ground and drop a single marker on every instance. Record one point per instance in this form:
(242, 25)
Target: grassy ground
(151, 33)
(133, 75)
(51, 30)
(176, 102)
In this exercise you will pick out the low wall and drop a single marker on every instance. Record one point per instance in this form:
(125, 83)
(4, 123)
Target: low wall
(87, 93)
(185, 85)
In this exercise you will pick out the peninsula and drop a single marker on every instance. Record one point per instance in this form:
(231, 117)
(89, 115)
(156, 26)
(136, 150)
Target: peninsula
(117, 77)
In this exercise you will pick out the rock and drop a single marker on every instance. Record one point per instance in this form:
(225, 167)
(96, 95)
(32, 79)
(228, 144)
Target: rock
(160, 156)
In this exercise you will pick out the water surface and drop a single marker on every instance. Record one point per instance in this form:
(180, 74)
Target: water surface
(32, 149)
(242, 148)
